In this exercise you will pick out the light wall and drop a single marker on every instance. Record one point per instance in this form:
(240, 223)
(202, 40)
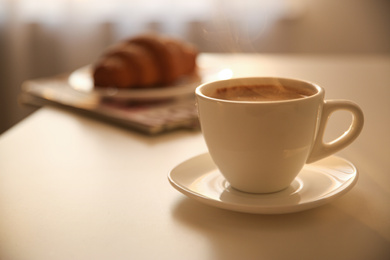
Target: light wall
(321, 27)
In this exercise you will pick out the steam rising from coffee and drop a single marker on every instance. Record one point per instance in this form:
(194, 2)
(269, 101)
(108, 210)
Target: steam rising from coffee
(238, 26)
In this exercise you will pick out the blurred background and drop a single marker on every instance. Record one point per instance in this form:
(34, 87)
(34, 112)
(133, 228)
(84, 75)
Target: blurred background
(40, 38)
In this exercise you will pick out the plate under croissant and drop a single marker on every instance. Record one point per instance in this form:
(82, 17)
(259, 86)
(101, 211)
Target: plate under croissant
(81, 80)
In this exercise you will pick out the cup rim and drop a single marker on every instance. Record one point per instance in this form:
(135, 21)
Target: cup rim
(245, 80)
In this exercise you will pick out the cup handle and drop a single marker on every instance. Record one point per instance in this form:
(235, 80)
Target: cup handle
(321, 149)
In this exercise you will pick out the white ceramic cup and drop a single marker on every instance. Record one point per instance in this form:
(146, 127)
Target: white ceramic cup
(261, 146)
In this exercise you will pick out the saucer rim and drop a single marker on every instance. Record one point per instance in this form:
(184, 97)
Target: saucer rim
(268, 209)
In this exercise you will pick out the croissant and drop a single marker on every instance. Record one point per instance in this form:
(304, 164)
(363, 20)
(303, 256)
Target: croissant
(144, 61)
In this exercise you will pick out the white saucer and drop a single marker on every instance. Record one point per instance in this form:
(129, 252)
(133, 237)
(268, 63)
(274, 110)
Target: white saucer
(318, 183)
(81, 80)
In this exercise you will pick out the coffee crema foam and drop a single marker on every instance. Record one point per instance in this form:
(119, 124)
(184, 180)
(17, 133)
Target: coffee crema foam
(260, 92)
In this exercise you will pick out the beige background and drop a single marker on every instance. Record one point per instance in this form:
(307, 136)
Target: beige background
(331, 27)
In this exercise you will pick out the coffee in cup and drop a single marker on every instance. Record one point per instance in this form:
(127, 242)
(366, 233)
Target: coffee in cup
(261, 131)
(260, 92)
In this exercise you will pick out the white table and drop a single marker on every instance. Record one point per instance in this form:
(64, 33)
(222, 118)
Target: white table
(72, 187)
